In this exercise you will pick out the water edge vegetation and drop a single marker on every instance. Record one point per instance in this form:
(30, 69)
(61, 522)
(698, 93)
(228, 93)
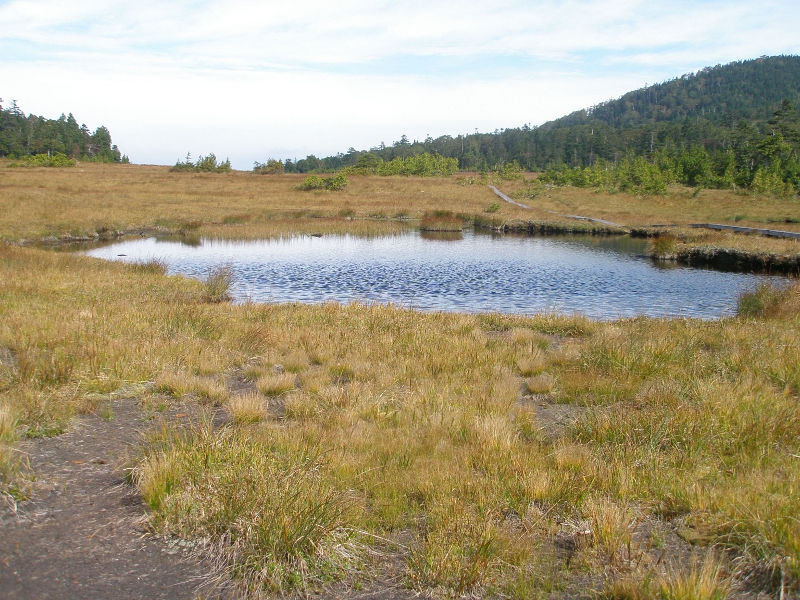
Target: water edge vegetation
(488, 454)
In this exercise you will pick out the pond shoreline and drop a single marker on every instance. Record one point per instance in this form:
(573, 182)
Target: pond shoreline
(696, 255)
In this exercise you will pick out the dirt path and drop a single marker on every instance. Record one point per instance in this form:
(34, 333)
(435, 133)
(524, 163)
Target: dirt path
(81, 535)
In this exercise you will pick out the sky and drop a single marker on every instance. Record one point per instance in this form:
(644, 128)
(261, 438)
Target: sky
(255, 80)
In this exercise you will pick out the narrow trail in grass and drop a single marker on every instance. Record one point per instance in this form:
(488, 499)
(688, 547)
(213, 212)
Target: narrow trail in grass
(81, 535)
(577, 217)
(507, 199)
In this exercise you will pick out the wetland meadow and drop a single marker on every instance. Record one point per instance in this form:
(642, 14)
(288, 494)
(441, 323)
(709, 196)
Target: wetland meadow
(375, 444)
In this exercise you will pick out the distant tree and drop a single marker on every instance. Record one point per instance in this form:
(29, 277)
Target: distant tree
(271, 167)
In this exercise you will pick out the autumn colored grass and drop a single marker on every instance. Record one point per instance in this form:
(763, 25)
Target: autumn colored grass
(376, 435)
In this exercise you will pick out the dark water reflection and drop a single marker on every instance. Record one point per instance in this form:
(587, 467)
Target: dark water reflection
(602, 277)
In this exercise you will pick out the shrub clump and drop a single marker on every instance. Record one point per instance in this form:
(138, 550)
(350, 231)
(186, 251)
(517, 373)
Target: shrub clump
(632, 174)
(204, 164)
(420, 165)
(58, 159)
(334, 183)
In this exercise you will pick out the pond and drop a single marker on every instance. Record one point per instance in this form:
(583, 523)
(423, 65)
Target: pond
(600, 277)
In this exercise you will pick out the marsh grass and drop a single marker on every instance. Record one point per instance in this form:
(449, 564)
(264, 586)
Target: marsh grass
(663, 246)
(441, 221)
(289, 530)
(217, 283)
(406, 425)
(765, 300)
(248, 408)
(153, 266)
(276, 384)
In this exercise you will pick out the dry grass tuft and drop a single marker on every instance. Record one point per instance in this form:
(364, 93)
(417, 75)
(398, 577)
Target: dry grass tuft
(248, 408)
(8, 455)
(541, 384)
(217, 284)
(610, 525)
(180, 383)
(704, 583)
(277, 384)
(441, 222)
(532, 364)
(290, 530)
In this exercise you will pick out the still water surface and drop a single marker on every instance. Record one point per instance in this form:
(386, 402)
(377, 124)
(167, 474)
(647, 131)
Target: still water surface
(601, 277)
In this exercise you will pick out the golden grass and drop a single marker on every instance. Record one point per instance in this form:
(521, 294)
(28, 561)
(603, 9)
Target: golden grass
(94, 197)
(101, 199)
(701, 582)
(540, 384)
(277, 384)
(180, 383)
(678, 206)
(399, 425)
(248, 408)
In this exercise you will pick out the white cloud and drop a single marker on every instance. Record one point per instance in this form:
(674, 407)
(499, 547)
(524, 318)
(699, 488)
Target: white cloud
(252, 79)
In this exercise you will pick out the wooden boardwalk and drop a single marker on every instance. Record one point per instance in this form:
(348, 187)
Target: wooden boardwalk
(507, 199)
(768, 232)
(578, 217)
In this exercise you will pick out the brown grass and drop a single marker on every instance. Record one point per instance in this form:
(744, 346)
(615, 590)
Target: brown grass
(94, 197)
(403, 433)
(248, 408)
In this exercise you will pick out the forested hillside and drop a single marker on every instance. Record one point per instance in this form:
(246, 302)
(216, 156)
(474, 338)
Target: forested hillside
(22, 135)
(723, 108)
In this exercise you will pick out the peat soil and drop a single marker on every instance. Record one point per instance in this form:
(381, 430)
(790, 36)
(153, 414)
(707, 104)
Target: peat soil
(83, 535)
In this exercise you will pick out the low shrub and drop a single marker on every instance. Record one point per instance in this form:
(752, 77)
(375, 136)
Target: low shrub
(57, 159)
(334, 183)
(271, 167)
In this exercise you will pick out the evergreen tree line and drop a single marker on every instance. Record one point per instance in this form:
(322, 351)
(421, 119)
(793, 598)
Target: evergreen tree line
(766, 163)
(739, 119)
(22, 136)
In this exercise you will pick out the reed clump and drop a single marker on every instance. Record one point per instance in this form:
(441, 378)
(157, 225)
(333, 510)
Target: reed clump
(217, 284)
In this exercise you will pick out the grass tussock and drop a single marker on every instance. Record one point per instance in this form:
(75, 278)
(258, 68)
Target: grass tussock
(276, 384)
(11, 460)
(248, 408)
(276, 521)
(663, 246)
(181, 383)
(441, 221)
(153, 266)
(700, 582)
(217, 284)
(770, 301)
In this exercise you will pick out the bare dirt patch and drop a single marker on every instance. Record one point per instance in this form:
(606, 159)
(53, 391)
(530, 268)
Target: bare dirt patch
(82, 534)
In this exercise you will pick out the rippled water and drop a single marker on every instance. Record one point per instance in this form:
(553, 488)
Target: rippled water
(601, 277)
